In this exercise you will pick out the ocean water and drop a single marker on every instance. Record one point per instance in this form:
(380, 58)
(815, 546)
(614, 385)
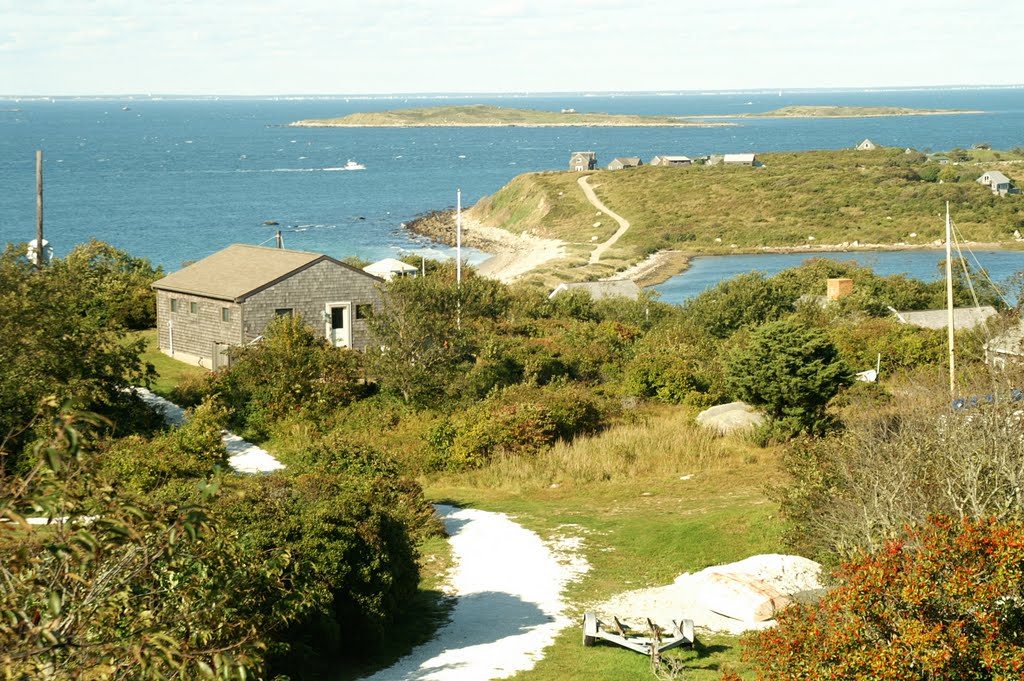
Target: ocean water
(174, 180)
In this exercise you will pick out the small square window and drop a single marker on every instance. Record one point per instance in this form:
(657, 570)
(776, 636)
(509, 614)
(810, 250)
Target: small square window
(174, 304)
(193, 308)
(364, 311)
(225, 314)
(283, 312)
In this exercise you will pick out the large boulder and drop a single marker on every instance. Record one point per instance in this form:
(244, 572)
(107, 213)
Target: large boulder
(729, 418)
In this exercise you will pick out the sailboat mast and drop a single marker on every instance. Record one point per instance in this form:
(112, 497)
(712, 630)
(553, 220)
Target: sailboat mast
(458, 235)
(949, 304)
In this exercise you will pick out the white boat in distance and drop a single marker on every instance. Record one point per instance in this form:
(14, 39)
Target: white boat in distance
(352, 165)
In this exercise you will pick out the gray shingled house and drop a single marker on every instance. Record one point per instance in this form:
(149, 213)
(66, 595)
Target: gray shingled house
(583, 160)
(229, 298)
(625, 162)
(999, 184)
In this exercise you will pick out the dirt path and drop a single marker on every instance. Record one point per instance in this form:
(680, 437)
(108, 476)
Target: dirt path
(588, 191)
(509, 587)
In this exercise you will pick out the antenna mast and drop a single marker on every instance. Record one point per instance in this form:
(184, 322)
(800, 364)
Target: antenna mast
(949, 304)
(39, 209)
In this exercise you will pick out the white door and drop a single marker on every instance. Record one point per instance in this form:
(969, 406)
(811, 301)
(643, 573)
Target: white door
(338, 324)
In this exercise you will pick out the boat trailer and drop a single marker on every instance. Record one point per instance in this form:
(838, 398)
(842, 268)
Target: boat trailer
(653, 642)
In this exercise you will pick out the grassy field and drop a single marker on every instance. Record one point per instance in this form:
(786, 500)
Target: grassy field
(491, 116)
(169, 371)
(794, 201)
(651, 501)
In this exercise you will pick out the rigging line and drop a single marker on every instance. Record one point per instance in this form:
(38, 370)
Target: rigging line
(982, 270)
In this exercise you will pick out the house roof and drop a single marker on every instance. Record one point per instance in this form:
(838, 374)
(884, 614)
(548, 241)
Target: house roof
(240, 270)
(963, 317)
(738, 158)
(389, 265)
(673, 158)
(591, 154)
(627, 160)
(623, 288)
(994, 177)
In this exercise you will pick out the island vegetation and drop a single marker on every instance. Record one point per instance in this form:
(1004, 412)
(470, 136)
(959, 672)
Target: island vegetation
(480, 115)
(851, 112)
(567, 411)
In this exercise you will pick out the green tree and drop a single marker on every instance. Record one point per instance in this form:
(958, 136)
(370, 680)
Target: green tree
(118, 282)
(125, 587)
(790, 370)
(745, 300)
(54, 350)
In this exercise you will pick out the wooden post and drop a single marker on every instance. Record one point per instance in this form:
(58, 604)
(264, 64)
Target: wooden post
(280, 240)
(39, 209)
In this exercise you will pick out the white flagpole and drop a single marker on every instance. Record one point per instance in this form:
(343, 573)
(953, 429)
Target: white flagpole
(949, 306)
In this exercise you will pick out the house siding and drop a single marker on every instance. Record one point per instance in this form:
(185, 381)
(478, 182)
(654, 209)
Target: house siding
(195, 333)
(307, 292)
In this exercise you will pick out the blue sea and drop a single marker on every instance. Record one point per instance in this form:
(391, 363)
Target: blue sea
(175, 179)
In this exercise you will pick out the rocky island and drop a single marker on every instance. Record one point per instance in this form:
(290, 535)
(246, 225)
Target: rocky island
(479, 115)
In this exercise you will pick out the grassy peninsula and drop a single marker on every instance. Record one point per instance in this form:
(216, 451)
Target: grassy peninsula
(850, 112)
(795, 201)
(479, 115)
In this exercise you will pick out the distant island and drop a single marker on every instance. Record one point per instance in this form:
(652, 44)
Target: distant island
(848, 112)
(479, 115)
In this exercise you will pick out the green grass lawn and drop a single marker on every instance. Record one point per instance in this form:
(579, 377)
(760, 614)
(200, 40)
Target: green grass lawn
(641, 533)
(169, 371)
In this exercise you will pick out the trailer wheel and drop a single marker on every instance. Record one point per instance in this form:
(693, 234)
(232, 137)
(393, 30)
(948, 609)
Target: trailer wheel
(589, 629)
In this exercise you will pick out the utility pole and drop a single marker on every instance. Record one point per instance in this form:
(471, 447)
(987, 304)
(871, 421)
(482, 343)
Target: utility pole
(39, 209)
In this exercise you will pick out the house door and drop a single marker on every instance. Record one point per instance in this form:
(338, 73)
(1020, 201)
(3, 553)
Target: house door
(339, 324)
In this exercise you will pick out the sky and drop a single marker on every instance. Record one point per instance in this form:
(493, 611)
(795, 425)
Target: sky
(279, 47)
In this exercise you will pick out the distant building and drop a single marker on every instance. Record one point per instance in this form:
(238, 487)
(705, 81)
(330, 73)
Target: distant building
(583, 160)
(229, 298)
(739, 159)
(867, 145)
(624, 162)
(674, 161)
(963, 317)
(389, 268)
(999, 184)
(614, 288)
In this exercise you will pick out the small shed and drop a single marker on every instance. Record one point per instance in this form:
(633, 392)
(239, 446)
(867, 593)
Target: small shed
(612, 288)
(867, 145)
(229, 298)
(672, 161)
(625, 162)
(583, 160)
(739, 159)
(389, 268)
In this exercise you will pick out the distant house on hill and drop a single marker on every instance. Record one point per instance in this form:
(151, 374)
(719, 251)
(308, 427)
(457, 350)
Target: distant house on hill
(739, 159)
(389, 268)
(963, 317)
(999, 184)
(867, 145)
(583, 160)
(674, 161)
(624, 162)
(614, 288)
(230, 297)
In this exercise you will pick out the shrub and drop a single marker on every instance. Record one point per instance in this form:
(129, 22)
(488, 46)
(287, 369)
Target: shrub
(944, 602)
(791, 371)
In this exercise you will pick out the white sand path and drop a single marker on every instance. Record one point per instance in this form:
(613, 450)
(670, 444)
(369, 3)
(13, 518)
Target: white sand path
(588, 191)
(509, 585)
(243, 456)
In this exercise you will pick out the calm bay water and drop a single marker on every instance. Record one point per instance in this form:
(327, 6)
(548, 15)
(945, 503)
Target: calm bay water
(928, 265)
(175, 180)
